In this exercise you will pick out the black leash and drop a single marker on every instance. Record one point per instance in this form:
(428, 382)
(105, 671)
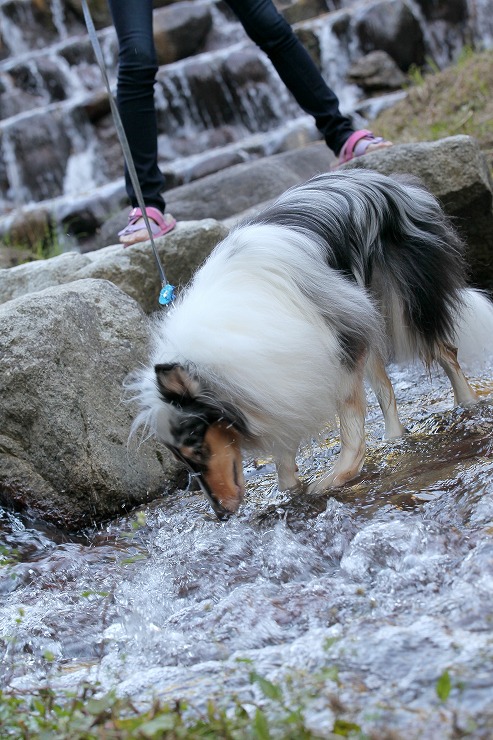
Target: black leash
(166, 294)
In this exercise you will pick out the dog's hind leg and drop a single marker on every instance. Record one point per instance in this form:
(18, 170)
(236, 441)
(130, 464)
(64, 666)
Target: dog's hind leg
(383, 390)
(352, 433)
(447, 359)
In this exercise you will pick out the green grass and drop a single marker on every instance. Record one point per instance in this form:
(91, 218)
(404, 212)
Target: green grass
(455, 101)
(31, 246)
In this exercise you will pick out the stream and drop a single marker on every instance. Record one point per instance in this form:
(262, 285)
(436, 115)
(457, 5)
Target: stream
(356, 602)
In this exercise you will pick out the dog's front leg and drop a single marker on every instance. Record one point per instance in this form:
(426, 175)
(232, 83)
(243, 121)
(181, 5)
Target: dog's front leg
(352, 433)
(287, 470)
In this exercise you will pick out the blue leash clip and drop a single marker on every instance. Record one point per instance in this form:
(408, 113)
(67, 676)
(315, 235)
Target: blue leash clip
(167, 294)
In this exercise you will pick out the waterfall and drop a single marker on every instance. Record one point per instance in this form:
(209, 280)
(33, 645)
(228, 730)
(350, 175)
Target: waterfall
(335, 59)
(17, 192)
(203, 102)
(12, 35)
(481, 14)
(58, 15)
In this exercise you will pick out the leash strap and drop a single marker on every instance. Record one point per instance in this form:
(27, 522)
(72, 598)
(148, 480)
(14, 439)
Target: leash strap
(166, 295)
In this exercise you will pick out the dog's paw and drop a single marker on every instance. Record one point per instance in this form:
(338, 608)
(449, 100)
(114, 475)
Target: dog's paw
(332, 480)
(395, 432)
(298, 487)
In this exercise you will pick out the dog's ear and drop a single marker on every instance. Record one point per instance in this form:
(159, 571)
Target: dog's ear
(175, 383)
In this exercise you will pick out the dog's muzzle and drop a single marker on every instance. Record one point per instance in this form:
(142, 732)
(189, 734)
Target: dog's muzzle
(220, 511)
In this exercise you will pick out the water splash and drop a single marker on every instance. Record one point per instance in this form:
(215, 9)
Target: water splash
(382, 585)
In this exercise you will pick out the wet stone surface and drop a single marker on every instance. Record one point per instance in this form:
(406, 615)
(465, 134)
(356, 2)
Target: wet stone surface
(358, 601)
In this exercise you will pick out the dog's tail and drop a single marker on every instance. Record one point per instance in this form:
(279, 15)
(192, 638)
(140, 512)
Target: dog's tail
(474, 327)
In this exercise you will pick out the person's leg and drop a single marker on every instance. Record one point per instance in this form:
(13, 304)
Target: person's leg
(135, 95)
(269, 30)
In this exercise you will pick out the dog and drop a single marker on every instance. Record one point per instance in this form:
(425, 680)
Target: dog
(279, 328)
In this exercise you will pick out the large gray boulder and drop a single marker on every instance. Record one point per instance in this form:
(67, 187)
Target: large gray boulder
(232, 191)
(64, 452)
(134, 269)
(455, 170)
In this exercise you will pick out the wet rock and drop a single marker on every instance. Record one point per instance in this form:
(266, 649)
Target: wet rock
(3, 47)
(45, 82)
(242, 69)
(456, 171)
(133, 269)
(38, 23)
(35, 18)
(41, 146)
(64, 429)
(245, 66)
(209, 98)
(14, 97)
(54, 79)
(391, 26)
(12, 101)
(452, 11)
(180, 30)
(4, 182)
(100, 11)
(310, 41)
(96, 105)
(376, 72)
(301, 10)
(78, 51)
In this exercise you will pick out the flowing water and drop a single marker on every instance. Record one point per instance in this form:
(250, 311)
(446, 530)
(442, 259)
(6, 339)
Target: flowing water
(356, 601)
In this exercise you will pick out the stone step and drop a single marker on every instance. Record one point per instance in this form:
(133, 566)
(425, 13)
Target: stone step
(77, 221)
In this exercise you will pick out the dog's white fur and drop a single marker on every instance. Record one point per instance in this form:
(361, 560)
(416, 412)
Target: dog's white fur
(268, 328)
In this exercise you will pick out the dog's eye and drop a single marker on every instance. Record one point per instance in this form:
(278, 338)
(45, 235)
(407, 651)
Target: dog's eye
(192, 438)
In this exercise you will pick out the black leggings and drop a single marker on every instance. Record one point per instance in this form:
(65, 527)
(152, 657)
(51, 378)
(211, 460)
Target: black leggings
(266, 26)
(137, 73)
(137, 67)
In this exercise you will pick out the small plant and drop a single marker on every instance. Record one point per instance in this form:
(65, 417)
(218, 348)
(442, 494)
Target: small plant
(8, 555)
(87, 715)
(415, 76)
(443, 686)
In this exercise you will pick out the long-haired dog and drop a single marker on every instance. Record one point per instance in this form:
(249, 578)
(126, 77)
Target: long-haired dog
(280, 326)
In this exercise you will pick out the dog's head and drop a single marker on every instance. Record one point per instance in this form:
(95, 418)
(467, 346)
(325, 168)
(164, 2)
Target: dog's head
(205, 434)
